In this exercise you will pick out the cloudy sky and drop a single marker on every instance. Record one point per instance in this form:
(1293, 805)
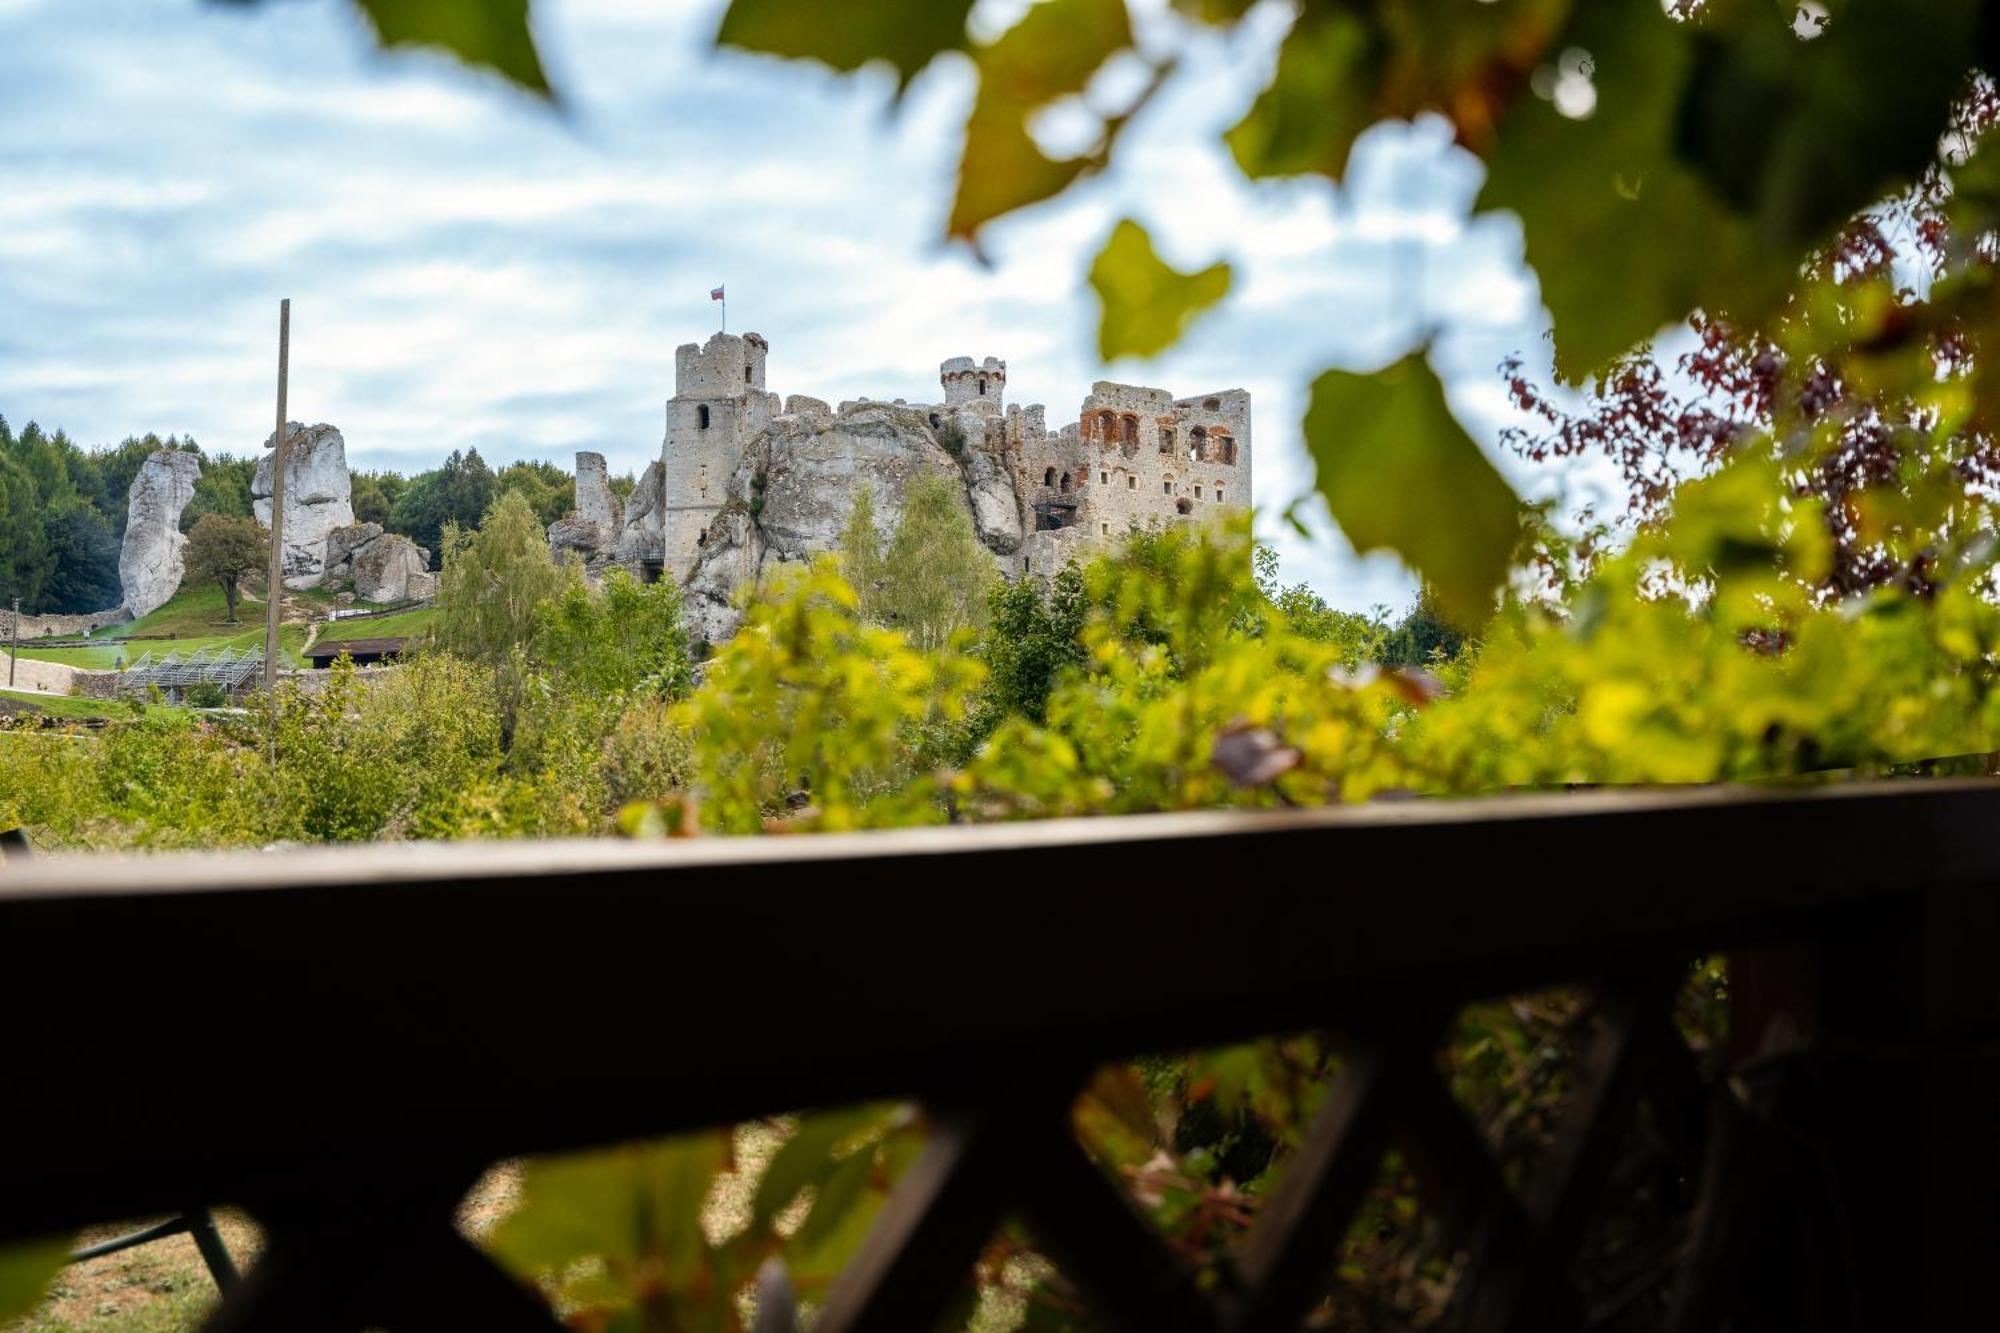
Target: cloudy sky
(468, 268)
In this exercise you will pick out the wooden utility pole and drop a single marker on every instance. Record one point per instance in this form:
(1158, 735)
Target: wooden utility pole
(274, 593)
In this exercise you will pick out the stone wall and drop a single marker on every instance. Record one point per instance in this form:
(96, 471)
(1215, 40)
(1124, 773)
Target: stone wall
(745, 479)
(64, 627)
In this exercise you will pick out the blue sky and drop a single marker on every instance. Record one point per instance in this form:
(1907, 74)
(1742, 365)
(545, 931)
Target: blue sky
(468, 268)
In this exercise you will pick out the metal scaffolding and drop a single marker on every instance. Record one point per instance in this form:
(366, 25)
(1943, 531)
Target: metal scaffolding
(230, 668)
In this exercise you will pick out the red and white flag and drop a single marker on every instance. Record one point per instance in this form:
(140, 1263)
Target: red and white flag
(715, 294)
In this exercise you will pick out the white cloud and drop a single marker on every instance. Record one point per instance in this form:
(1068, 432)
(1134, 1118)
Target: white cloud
(470, 268)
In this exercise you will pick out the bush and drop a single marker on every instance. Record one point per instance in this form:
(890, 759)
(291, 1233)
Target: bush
(205, 694)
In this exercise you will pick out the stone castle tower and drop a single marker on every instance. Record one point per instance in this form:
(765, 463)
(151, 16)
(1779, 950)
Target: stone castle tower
(719, 405)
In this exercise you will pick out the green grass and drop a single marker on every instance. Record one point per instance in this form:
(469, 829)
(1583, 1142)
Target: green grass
(62, 705)
(404, 624)
(196, 618)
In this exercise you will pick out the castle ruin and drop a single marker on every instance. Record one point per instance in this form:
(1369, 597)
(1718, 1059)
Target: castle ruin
(745, 478)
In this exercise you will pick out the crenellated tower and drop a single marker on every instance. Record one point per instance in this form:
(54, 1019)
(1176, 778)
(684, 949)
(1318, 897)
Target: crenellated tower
(981, 384)
(719, 405)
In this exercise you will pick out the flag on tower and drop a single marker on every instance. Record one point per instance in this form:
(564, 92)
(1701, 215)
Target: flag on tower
(715, 294)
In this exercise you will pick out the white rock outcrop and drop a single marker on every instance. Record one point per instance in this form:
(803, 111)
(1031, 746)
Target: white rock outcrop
(644, 528)
(382, 566)
(319, 497)
(150, 562)
(392, 568)
(792, 493)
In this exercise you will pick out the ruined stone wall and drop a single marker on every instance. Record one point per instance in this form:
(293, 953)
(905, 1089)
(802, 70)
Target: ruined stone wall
(63, 627)
(746, 481)
(726, 366)
(1156, 459)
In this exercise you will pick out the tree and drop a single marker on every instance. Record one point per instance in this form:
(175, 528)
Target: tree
(1423, 638)
(1311, 617)
(619, 638)
(934, 572)
(460, 492)
(374, 496)
(1033, 635)
(549, 491)
(222, 488)
(491, 592)
(224, 549)
(861, 549)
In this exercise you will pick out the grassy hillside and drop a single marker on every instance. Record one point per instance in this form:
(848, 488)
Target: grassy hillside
(58, 705)
(404, 624)
(196, 618)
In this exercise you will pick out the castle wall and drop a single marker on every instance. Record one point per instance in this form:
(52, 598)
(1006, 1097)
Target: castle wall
(63, 626)
(1137, 457)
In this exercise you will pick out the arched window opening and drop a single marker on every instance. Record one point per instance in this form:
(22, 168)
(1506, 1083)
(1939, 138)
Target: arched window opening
(1168, 439)
(1049, 477)
(935, 423)
(1212, 404)
(1131, 429)
(1066, 482)
(1225, 447)
(701, 416)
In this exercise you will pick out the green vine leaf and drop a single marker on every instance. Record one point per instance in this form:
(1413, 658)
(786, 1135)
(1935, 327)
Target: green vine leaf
(25, 1273)
(1051, 53)
(908, 34)
(1625, 238)
(1148, 304)
(1399, 473)
(493, 33)
(1772, 122)
(1345, 67)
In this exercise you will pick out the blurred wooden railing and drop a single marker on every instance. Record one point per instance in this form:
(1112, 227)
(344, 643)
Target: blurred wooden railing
(398, 1017)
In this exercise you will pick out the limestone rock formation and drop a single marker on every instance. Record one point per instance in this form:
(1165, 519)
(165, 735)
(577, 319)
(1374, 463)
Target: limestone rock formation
(577, 533)
(812, 465)
(318, 498)
(149, 563)
(981, 451)
(392, 568)
(792, 493)
(383, 566)
(342, 543)
(645, 518)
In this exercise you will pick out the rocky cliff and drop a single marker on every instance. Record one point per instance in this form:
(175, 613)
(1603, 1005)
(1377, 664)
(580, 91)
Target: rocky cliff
(149, 563)
(318, 498)
(645, 520)
(791, 494)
